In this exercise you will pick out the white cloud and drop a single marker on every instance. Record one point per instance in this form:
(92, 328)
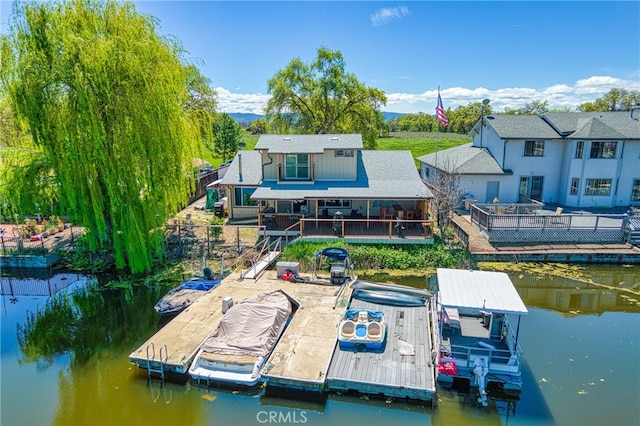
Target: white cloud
(386, 15)
(558, 96)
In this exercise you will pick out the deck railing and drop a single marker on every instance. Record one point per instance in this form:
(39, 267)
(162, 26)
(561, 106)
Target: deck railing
(514, 223)
(371, 228)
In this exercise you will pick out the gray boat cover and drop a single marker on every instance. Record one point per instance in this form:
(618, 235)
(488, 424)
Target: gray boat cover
(251, 327)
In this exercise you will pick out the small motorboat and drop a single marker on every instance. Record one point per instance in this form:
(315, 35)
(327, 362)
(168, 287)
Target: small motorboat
(359, 328)
(181, 297)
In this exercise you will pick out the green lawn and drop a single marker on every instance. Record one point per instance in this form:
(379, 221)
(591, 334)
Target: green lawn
(418, 143)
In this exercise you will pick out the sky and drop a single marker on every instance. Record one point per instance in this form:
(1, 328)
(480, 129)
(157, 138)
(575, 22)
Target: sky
(510, 52)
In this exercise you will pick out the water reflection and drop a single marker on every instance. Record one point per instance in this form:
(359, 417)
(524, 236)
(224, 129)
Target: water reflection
(582, 322)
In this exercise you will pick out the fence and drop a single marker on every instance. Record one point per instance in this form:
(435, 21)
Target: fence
(505, 224)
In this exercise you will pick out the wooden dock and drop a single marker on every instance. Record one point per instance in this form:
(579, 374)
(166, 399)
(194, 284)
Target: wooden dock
(311, 332)
(404, 369)
(302, 359)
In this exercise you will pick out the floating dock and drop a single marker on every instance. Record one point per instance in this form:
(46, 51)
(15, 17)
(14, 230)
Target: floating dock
(404, 368)
(307, 356)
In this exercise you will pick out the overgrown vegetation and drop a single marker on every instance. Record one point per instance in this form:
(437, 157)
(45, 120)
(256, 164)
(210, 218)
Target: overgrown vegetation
(382, 257)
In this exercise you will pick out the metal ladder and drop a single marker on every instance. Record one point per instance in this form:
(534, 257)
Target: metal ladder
(152, 358)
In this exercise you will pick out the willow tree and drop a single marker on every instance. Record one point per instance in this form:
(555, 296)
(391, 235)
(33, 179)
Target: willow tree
(322, 98)
(103, 95)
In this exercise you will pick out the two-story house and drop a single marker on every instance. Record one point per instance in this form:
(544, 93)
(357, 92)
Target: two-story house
(574, 159)
(291, 177)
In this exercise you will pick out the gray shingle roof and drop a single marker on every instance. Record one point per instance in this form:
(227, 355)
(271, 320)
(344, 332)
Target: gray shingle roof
(251, 169)
(571, 125)
(381, 175)
(464, 159)
(311, 144)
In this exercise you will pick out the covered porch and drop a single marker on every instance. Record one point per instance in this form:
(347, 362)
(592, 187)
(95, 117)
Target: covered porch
(365, 220)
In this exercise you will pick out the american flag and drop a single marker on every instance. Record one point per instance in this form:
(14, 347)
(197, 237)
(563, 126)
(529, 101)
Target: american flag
(440, 112)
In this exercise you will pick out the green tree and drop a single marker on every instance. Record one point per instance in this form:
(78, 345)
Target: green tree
(322, 98)
(258, 127)
(614, 100)
(227, 135)
(104, 98)
(532, 108)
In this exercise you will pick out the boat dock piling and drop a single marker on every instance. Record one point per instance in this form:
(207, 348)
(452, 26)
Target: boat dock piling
(307, 356)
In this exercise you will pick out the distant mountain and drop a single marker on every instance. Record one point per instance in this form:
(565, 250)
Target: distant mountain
(245, 118)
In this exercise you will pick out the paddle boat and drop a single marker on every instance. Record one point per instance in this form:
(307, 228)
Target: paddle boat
(360, 328)
(242, 342)
(478, 317)
(179, 298)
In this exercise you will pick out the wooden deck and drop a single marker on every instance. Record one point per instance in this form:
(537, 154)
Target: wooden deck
(403, 369)
(354, 230)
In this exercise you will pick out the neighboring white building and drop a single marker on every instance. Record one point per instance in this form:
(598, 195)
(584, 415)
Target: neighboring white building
(574, 159)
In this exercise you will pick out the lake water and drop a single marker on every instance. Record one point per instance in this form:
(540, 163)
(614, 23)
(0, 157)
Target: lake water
(581, 344)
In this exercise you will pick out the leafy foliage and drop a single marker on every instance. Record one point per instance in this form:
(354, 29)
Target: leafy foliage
(614, 100)
(104, 98)
(227, 135)
(322, 98)
(380, 257)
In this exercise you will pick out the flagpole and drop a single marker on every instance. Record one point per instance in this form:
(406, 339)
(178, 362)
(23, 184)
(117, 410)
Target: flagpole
(435, 181)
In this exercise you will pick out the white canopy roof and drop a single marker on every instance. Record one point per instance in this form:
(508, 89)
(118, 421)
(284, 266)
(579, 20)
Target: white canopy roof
(484, 290)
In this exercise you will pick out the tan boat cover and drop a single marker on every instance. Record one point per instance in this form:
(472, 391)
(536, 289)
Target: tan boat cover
(251, 327)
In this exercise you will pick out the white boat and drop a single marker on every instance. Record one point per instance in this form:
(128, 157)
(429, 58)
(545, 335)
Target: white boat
(362, 328)
(243, 340)
(479, 315)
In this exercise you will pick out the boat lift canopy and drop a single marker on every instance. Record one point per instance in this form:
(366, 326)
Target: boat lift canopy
(483, 290)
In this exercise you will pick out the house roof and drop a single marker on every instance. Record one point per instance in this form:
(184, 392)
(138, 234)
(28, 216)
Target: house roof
(251, 169)
(482, 290)
(464, 159)
(381, 174)
(307, 144)
(518, 127)
(568, 125)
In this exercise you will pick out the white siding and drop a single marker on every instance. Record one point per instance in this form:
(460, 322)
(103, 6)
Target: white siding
(549, 165)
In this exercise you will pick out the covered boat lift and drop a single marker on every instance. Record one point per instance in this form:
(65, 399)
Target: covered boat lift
(478, 342)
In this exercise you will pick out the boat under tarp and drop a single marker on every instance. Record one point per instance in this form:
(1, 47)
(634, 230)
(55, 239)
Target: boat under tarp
(181, 297)
(243, 340)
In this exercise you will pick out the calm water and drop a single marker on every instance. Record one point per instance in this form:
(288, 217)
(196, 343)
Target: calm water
(581, 364)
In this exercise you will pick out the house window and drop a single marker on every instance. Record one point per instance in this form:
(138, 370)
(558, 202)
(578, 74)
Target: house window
(344, 153)
(579, 149)
(635, 192)
(243, 197)
(296, 166)
(334, 203)
(575, 184)
(533, 148)
(598, 187)
(603, 149)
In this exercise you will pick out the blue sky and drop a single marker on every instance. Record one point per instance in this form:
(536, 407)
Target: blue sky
(564, 52)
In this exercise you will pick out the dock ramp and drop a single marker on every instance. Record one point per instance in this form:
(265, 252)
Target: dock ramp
(268, 252)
